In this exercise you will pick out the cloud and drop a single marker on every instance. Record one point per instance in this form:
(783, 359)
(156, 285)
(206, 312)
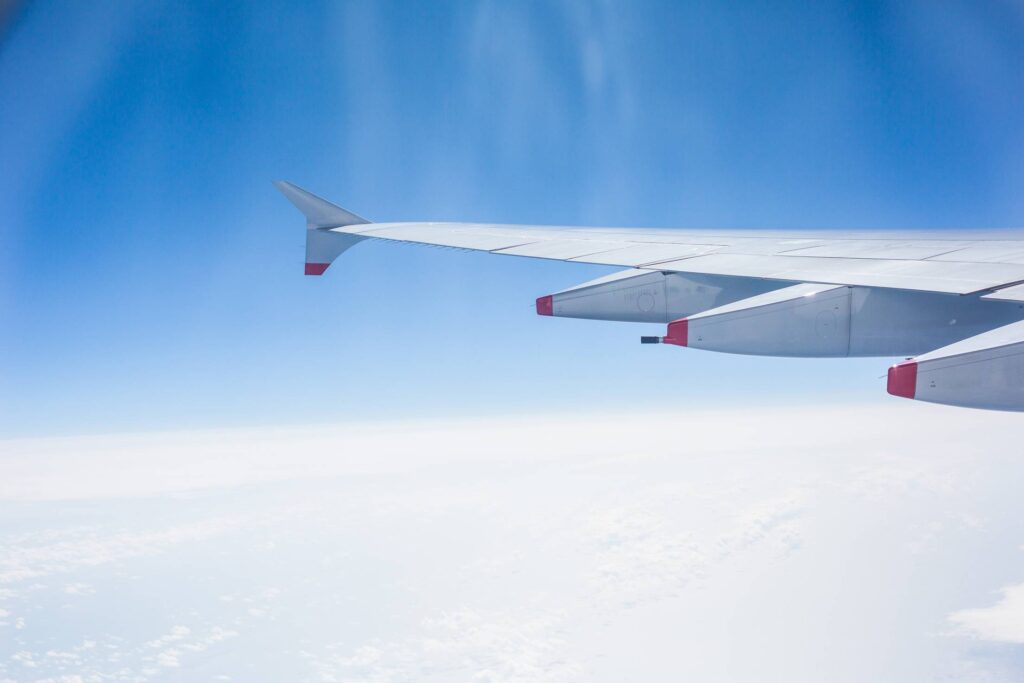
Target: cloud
(78, 468)
(643, 553)
(463, 644)
(20, 560)
(1003, 622)
(114, 660)
(514, 549)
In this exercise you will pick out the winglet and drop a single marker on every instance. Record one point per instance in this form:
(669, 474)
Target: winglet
(319, 213)
(322, 245)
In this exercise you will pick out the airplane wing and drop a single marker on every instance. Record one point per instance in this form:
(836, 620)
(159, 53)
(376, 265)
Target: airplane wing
(801, 293)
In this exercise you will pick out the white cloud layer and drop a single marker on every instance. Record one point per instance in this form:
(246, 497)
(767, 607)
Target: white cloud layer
(709, 546)
(147, 464)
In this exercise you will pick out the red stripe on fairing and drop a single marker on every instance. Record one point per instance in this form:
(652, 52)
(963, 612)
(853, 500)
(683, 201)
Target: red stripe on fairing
(678, 333)
(903, 380)
(546, 305)
(316, 268)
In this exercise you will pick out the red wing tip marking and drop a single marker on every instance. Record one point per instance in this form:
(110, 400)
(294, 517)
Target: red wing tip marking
(546, 305)
(678, 333)
(316, 268)
(903, 380)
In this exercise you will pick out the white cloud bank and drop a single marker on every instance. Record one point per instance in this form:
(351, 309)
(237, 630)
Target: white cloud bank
(139, 465)
(712, 546)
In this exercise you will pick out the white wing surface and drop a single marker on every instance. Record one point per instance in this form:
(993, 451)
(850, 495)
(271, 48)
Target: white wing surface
(924, 264)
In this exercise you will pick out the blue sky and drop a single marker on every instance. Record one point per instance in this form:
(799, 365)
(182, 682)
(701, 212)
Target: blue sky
(151, 276)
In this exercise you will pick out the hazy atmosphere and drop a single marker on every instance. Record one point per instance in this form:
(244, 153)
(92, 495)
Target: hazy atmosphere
(215, 468)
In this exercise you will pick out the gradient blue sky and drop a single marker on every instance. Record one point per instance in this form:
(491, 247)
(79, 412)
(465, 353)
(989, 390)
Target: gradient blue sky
(151, 276)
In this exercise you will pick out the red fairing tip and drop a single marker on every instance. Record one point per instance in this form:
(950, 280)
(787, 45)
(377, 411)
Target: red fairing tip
(546, 305)
(903, 380)
(678, 333)
(316, 268)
